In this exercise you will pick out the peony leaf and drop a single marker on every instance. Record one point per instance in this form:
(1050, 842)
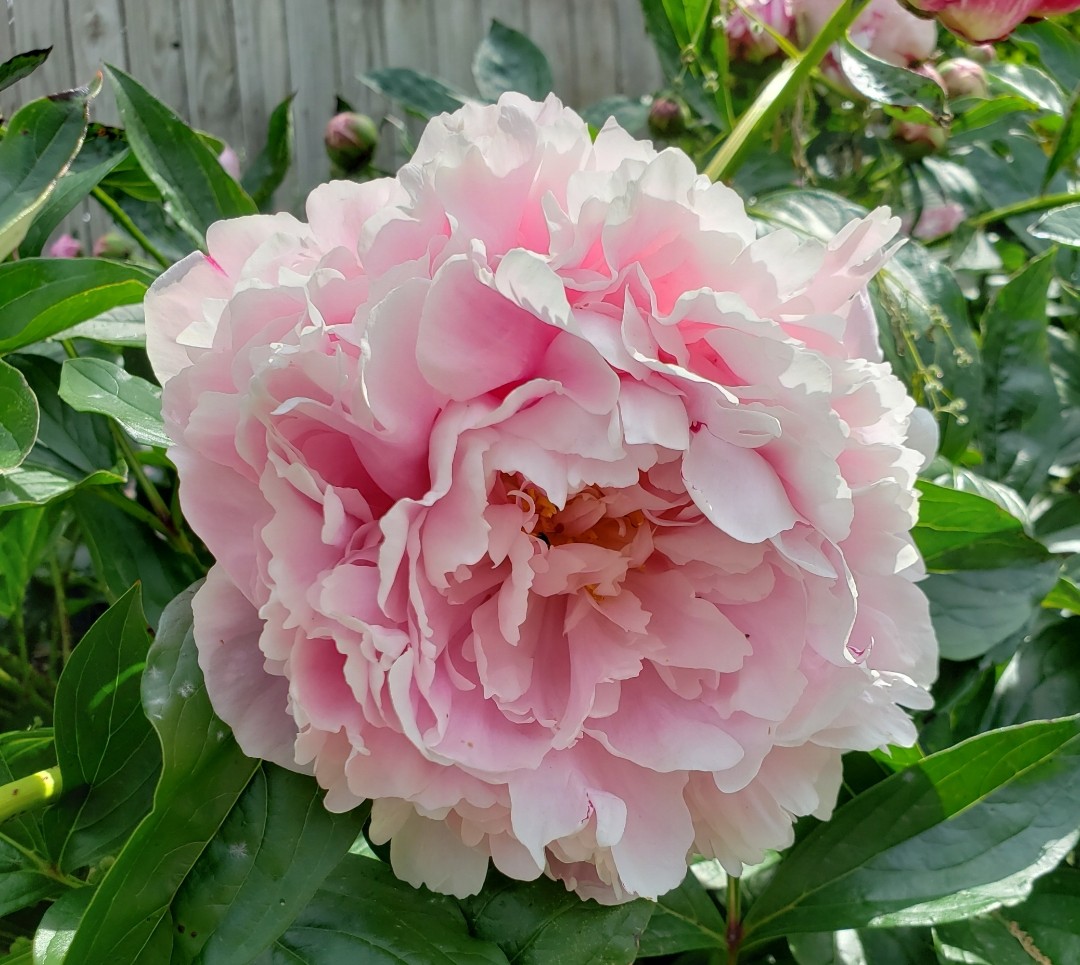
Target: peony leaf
(1045, 928)
(1058, 47)
(21, 65)
(363, 913)
(260, 870)
(265, 174)
(42, 296)
(885, 83)
(1061, 224)
(1066, 147)
(98, 385)
(1042, 680)
(507, 60)
(186, 172)
(975, 610)
(18, 417)
(420, 94)
(103, 149)
(24, 537)
(965, 531)
(1021, 412)
(541, 923)
(103, 742)
(72, 448)
(879, 946)
(42, 138)
(964, 831)
(1029, 82)
(58, 925)
(685, 919)
(121, 327)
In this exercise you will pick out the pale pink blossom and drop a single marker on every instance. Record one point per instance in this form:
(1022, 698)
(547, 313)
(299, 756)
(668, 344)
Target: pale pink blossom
(982, 20)
(554, 510)
(230, 162)
(747, 37)
(885, 29)
(935, 221)
(66, 246)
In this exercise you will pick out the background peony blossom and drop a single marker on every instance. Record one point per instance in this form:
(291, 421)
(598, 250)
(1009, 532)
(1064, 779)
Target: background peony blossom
(885, 29)
(746, 37)
(982, 20)
(553, 509)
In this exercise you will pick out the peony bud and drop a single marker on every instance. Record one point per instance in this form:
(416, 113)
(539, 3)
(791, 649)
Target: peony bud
(114, 246)
(935, 221)
(981, 20)
(667, 118)
(982, 53)
(351, 140)
(66, 246)
(964, 78)
(918, 140)
(747, 40)
(230, 162)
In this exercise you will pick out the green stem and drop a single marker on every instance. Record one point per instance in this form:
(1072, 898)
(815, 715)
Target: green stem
(18, 624)
(30, 792)
(120, 216)
(131, 457)
(1043, 203)
(734, 920)
(778, 92)
(60, 598)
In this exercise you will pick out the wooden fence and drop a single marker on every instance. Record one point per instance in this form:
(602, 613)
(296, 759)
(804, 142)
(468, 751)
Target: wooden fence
(224, 64)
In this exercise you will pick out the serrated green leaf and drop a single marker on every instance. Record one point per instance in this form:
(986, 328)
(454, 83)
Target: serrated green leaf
(507, 60)
(42, 296)
(1021, 411)
(1060, 224)
(98, 385)
(18, 417)
(885, 83)
(420, 94)
(203, 775)
(265, 174)
(541, 923)
(42, 138)
(272, 854)
(102, 150)
(21, 65)
(72, 449)
(196, 188)
(964, 831)
(364, 914)
(103, 741)
(685, 919)
(964, 531)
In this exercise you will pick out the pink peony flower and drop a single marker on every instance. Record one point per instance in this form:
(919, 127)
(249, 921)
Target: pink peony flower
(230, 162)
(935, 221)
(553, 509)
(885, 29)
(746, 37)
(66, 246)
(982, 20)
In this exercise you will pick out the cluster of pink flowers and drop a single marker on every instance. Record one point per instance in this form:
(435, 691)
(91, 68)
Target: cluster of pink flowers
(885, 28)
(554, 509)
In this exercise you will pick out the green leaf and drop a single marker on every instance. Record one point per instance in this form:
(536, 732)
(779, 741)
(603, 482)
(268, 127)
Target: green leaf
(57, 927)
(22, 884)
(265, 174)
(1021, 412)
(23, 753)
(97, 385)
(1060, 224)
(885, 83)
(922, 314)
(1029, 82)
(103, 149)
(22, 65)
(507, 60)
(196, 189)
(1042, 680)
(24, 537)
(72, 449)
(1067, 145)
(685, 919)
(870, 946)
(363, 913)
(420, 94)
(103, 742)
(41, 140)
(1058, 47)
(42, 296)
(975, 610)
(203, 775)
(125, 551)
(672, 24)
(269, 858)
(630, 113)
(1045, 928)
(964, 531)
(19, 954)
(541, 923)
(964, 831)
(18, 417)
(1065, 595)
(123, 327)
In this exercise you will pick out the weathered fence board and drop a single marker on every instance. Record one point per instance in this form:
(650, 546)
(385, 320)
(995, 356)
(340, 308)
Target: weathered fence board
(225, 64)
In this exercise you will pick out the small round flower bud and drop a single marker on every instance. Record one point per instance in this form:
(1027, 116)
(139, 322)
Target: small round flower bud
(667, 118)
(113, 245)
(351, 140)
(964, 78)
(918, 140)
